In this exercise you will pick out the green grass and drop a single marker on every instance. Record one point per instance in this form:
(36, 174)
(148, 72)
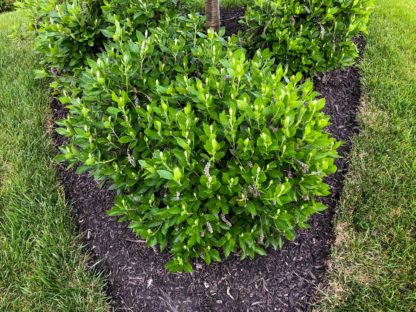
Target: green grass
(373, 265)
(42, 267)
(198, 4)
(230, 3)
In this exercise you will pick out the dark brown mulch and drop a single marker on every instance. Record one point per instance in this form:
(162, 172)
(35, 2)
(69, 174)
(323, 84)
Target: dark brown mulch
(283, 280)
(230, 18)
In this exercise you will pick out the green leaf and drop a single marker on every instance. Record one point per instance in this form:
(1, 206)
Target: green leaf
(173, 266)
(207, 257)
(165, 174)
(215, 255)
(259, 250)
(177, 174)
(113, 110)
(62, 131)
(82, 169)
(125, 139)
(187, 267)
(41, 74)
(60, 158)
(116, 211)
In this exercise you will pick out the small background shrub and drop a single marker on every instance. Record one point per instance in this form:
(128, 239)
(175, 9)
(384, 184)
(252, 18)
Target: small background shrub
(307, 36)
(70, 34)
(6, 5)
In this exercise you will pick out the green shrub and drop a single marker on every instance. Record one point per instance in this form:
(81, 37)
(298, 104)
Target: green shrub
(68, 33)
(6, 5)
(212, 148)
(308, 36)
(209, 152)
(37, 12)
(140, 15)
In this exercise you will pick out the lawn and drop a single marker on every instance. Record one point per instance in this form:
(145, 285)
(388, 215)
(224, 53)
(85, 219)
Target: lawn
(374, 257)
(223, 3)
(42, 267)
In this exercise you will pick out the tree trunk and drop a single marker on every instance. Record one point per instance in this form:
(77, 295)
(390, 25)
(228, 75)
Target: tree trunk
(212, 12)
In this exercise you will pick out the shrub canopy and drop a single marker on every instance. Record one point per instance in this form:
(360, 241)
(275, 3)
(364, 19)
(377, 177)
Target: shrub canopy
(307, 36)
(211, 145)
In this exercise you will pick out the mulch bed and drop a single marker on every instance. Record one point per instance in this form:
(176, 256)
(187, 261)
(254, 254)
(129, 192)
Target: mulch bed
(283, 280)
(230, 19)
